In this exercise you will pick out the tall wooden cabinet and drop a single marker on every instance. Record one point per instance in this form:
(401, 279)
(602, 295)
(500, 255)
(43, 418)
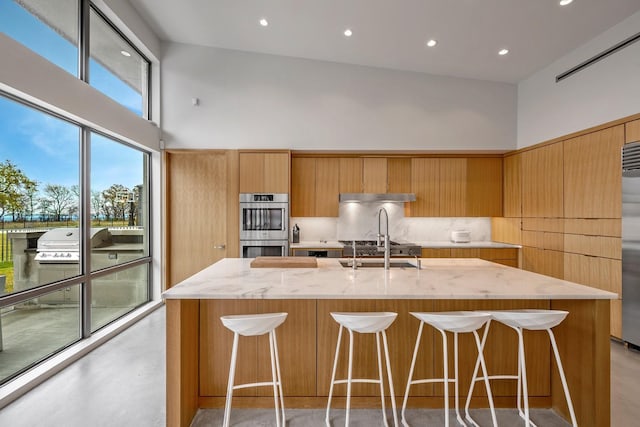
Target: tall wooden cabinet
(542, 182)
(315, 186)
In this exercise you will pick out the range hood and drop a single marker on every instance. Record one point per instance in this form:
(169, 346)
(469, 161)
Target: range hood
(377, 197)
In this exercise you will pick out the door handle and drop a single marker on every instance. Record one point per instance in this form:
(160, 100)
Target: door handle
(219, 247)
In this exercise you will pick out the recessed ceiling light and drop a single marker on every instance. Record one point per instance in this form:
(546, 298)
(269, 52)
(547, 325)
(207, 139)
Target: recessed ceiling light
(264, 22)
(503, 51)
(125, 53)
(565, 2)
(432, 43)
(348, 32)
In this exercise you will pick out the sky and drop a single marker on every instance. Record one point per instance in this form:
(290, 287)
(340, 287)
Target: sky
(46, 148)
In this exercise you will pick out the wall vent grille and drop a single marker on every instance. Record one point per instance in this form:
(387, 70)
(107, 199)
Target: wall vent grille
(631, 157)
(598, 57)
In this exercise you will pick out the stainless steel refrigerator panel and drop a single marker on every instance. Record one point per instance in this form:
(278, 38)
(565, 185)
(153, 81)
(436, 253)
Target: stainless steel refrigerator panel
(631, 243)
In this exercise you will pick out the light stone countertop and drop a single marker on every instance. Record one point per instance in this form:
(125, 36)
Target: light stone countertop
(439, 278)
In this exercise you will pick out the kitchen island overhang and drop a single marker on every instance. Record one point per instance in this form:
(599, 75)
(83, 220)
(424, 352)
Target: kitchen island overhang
(198, 347)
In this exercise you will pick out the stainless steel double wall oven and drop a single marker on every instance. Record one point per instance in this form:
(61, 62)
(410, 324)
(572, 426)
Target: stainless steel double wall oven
(264, 224)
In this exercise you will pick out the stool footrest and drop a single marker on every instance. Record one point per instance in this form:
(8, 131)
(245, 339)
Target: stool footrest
(263, 384)
(357, 380)
(432, 380)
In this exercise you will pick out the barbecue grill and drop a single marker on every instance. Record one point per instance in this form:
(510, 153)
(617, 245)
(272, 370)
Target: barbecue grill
(62, 245)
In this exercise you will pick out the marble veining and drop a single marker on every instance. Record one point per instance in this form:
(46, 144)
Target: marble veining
(438, 278)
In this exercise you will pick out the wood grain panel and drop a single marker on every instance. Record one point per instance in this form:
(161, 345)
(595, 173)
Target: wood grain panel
(436, 253)
(351, 175)
(327, 186)
(616, 318)
(303, 187)
(453, 187)
(252, 173)
(601, 273)
(515, 263)
(399, 175)
(600, 246)
(512, 180)
(276, 172)
(425, 176)
(632, 131)
(506, 230)
(583, 342)
(543, 261)
(594, 227)
(196, 192)
(484, 187)
(553, 225)
(374, 174)
(297, 347)
(182, 361)
(465, 252)
(592, 164)
(215, 349)
(233, 208)
(542, 182)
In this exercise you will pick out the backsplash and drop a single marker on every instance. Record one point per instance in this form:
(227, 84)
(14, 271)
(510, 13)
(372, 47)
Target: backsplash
(359, 221)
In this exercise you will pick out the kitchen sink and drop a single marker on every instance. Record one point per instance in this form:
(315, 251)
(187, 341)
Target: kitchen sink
(378, 263)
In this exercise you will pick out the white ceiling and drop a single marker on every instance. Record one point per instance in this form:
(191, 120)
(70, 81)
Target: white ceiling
(392, 33)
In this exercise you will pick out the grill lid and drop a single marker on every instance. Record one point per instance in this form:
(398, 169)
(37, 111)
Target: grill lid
(68, 239)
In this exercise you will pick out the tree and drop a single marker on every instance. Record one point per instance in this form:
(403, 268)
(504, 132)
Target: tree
(96, 204)
(60, 199)
(114, 206)
(14, 184)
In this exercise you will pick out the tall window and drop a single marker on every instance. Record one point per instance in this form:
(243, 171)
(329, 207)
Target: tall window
(74, 203)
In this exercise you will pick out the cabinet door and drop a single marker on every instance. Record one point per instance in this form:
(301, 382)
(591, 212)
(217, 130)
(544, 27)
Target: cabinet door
(453, 187)
(484, 187)
(350, 175)
(632, 131)
(542, 181)
(512, 185)
(374, 175)
(303, 187)
(276, 172)
(425, 175)
(327, 186)
(252, 173)
(399, 175)
(592, 185)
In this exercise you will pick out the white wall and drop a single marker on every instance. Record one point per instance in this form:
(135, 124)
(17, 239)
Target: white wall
(605, 91)
(252, 100)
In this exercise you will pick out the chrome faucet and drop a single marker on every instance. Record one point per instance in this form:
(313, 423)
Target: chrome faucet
(387, 248)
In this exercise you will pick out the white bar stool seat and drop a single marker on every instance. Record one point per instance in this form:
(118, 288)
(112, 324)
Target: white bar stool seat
(251, 325)
(534, 320)
(364, 323)
(456, 322)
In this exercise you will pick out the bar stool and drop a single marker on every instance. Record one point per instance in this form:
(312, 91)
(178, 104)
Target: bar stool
(249, 325)
(456, 322)
(364, 323)
(533, 320)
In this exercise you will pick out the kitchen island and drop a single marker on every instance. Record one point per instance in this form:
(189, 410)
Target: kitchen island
(198, 346)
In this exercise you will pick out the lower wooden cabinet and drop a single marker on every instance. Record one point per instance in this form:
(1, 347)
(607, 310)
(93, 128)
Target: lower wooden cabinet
(505, 256)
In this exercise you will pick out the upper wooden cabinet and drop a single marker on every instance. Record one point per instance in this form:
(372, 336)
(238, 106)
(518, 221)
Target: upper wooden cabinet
(512, 183)
(351, 175)
(374, 175)
(264, 172)
(542, 182)
(399, 175)
(592, 184)
(456, 186)
(315, 186)
(632, 131)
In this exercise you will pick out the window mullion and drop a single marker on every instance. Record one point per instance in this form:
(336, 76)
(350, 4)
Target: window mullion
(83, 40)
(85, 226)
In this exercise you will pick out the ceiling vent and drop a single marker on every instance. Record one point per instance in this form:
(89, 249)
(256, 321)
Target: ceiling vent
(598, 57)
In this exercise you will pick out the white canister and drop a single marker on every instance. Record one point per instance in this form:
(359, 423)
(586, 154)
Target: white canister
(460, 236)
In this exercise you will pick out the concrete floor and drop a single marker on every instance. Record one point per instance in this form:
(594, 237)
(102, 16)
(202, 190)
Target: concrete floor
(122, 384)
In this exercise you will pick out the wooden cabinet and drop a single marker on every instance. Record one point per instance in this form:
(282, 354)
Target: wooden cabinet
(264, 172)
(374, 175)
(399, 175)
(505, 256)
(351, 175)
(592, 185)
(484, 187)
(315, 186)
(632, 131)
(542, 180)
(456, 186)
(512, 186)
